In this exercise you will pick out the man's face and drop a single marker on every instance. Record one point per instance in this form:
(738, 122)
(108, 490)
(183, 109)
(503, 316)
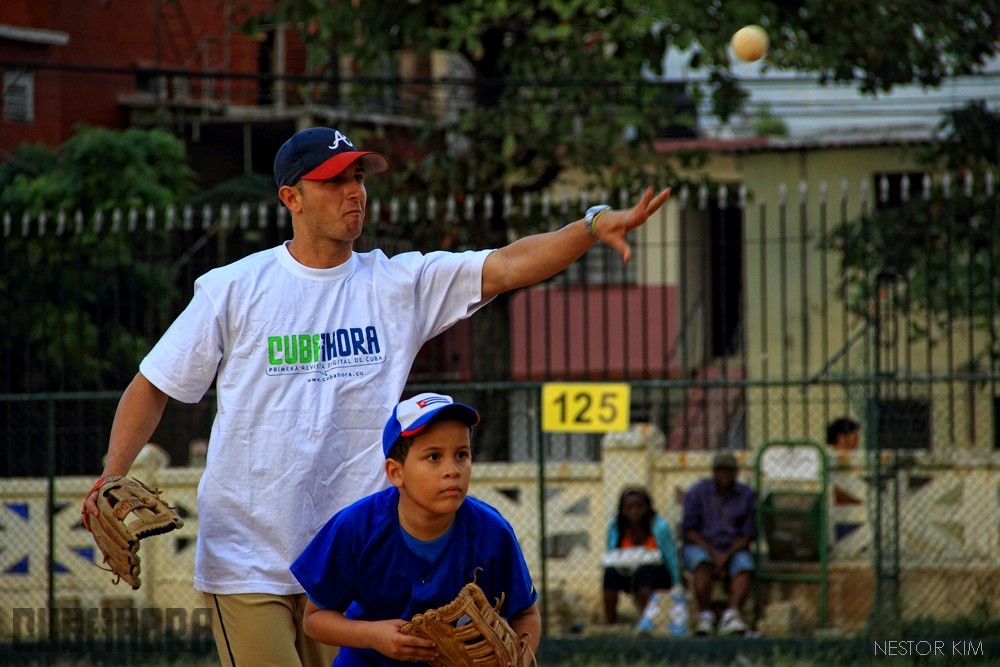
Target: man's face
(725, 477)
(333, 209)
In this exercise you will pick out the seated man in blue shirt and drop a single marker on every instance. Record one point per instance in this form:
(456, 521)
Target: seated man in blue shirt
(718, 527)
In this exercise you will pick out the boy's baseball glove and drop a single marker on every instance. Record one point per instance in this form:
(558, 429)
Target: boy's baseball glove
(117, 534)
(486, 640)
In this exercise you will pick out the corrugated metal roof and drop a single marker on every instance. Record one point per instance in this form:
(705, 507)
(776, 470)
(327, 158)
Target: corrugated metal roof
(861, 137)
(33, 35)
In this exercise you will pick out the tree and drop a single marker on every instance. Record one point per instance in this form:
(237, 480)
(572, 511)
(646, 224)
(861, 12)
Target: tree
(571, 81)
(940, 245)
(574, 82)
(69, 287)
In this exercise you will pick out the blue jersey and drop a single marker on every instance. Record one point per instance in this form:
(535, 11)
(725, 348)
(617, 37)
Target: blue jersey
(359, 564)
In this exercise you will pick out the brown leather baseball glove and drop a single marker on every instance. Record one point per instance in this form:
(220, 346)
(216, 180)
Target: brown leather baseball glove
(129, 511)
(469, 632)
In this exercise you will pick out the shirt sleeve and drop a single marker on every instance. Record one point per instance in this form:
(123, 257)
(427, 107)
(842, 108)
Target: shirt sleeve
(525, 592)
(611, 539)
(449, 288)
(748, 527)
(507, 573)
(692, 510)
(665, 540)
(184, 362)
(326, 574)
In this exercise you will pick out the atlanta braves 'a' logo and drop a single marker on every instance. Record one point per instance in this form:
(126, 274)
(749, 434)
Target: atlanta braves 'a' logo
(337, 139)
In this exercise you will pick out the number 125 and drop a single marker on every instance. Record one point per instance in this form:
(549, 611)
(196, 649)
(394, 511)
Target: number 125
(585, 407)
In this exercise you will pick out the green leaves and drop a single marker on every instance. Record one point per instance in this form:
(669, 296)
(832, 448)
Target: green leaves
(98, 169)
(562, 83)
(87, 287)
(944, 243)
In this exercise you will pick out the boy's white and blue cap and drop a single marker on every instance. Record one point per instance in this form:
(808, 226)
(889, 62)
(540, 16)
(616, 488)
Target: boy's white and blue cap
(413, 415)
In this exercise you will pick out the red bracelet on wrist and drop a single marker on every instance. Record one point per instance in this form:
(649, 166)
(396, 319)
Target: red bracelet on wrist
(83, 510)
(97, 485)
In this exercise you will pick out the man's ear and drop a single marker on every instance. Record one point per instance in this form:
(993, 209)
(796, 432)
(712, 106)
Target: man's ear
(394, 471)
(291, 197)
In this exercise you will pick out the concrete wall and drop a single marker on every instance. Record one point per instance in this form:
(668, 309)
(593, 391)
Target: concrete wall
(949, 532)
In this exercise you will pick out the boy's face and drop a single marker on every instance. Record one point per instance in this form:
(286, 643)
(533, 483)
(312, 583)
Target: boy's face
(848, 440)
(434, 479)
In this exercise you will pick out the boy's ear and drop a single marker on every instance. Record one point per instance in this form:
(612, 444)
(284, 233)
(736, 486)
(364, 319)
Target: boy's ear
(394, 471)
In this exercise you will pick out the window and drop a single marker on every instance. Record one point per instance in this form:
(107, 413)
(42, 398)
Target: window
(19, 97)
(904, 423)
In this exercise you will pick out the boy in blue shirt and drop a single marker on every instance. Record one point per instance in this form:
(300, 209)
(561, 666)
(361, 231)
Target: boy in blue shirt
(413, 546)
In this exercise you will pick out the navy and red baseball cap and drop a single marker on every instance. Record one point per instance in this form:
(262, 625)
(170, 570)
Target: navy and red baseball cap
(413, 415)
(319, 153)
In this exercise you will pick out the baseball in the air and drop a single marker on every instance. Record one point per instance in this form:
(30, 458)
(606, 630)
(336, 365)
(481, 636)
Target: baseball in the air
(749, 43)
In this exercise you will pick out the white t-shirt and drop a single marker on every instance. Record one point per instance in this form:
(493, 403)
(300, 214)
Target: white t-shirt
(308, 364)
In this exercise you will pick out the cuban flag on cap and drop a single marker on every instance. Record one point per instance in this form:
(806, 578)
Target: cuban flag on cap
(411, 416)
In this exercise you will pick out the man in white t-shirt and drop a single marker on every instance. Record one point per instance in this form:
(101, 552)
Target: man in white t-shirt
(310, 345)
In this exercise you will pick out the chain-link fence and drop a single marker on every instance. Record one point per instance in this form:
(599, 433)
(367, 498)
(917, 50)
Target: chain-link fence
(738, 326)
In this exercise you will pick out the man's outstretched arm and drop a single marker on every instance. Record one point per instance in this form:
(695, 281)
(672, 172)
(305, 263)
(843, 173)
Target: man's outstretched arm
(534, 258)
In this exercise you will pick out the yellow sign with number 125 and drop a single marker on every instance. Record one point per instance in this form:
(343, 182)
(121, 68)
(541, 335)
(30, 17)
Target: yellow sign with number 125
(585, 407)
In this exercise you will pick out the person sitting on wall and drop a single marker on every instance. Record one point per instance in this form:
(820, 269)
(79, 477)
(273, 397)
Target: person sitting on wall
(842, 434)
(719, 526)
(641, 556)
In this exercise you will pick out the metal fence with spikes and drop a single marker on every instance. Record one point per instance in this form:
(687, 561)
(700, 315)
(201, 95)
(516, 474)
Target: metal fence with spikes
(744, 318)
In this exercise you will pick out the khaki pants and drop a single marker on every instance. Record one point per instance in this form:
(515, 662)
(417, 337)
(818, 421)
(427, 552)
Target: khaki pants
(254, 629)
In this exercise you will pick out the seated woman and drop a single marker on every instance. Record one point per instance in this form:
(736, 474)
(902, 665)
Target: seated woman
(641, 554)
